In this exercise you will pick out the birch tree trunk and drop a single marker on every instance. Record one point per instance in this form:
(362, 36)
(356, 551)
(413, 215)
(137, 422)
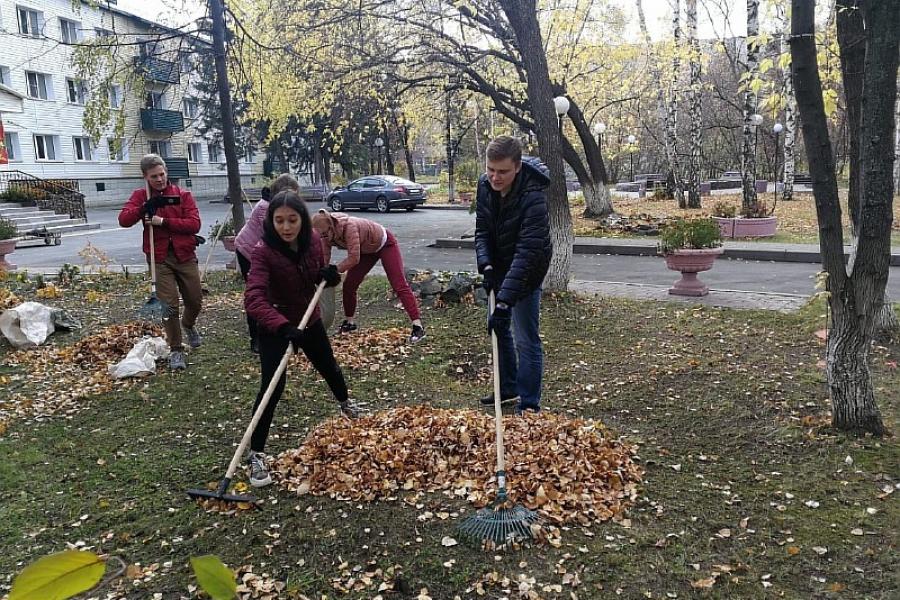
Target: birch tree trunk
(790, 110)
(897, 145)
(748, 145)
(696, 115)
(672, 113)
(655, 77)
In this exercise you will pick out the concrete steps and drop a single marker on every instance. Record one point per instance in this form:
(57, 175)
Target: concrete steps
(29, 218)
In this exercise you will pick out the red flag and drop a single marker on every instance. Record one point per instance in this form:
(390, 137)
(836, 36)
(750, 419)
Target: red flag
(4, 155)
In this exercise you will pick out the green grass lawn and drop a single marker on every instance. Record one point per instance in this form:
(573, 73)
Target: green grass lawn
(747, 492)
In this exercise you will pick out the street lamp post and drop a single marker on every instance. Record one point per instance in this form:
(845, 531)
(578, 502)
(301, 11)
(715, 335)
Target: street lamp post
(776, 129)
(378, 144)
(599, 128)
(631, 140)
(561, 105)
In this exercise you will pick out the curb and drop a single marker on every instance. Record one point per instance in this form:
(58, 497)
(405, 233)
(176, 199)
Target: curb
(620, 249)
(443, 206)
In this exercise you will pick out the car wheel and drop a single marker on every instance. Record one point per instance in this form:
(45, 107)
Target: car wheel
(410, 208)
(382, 205)
(336, 204)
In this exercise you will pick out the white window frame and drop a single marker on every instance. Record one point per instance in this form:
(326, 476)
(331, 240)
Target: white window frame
(33, 24)
(249, 156)
(157, 100)
(122, 155)
(77, 88)
(13, 147)
(69, 31)
(193, 105)
(101, 32)
(83, 145)
(160, 144)
(214, 153)
(114, 93)
(5, 76)
(51, 150)
(39, 80)
(195, 152)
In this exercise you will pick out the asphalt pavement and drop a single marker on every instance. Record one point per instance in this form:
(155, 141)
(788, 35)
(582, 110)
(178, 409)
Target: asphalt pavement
(734, 282)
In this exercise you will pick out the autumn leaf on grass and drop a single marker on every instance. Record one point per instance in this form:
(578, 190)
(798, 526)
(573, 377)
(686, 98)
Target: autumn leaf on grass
(58, 576)
(214, 577)
(704, 584)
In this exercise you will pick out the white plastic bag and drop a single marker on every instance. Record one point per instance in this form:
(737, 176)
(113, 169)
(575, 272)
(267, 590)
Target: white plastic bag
(27, 325)
(141, 360)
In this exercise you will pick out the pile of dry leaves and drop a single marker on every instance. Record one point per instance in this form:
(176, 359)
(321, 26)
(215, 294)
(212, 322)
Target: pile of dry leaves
(55, 378)
(568, 468)
(372, 349)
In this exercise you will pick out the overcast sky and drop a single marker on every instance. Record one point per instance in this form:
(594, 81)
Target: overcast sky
(712, 23)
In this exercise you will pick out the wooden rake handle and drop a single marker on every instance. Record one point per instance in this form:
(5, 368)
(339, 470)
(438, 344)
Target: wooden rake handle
(235, 461)
(498, 411)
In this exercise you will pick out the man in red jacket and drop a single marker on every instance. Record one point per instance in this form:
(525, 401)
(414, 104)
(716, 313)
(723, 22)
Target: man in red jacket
(175, 219)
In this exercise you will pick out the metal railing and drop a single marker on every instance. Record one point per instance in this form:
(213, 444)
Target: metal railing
(59, 195)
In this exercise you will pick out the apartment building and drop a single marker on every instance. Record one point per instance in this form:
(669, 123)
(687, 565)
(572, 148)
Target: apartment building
(42, 102)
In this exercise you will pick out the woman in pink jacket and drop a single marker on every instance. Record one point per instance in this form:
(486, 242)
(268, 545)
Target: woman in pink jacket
(366, 242)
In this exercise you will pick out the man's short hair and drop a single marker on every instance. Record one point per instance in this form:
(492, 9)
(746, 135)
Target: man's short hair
(151, 161)
(283, 182)
(504, 146)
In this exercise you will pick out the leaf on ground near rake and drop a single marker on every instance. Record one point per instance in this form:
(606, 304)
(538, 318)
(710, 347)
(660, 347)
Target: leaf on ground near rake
(58, 576)
(837, 587)
(820, 550)
(856, 531)
(703, 584)
(214, 577)
(822, 334)
(448, 541)
(793, 550)
(724, 533)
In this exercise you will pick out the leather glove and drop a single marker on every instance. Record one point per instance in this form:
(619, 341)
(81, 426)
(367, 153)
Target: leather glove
(152, 204)
(330, 275)
(291, 334)
(487, 281)
(499, 320)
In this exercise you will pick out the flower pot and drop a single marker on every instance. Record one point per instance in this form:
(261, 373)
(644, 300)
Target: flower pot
(726, 226)
(690, 262)
(746, 227)
(7, 247)
(228, 243)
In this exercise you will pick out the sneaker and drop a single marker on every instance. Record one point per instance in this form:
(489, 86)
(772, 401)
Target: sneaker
(259, 474)
(351, 409)
(418, 332)
(176, 361)
(195, 340)
(347, 327)
(254, 346)
(504, 400)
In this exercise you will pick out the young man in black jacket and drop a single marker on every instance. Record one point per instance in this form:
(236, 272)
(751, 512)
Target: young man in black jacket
(512, 243)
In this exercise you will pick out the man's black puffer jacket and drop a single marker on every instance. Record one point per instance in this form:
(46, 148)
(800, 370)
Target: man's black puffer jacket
(513, 235)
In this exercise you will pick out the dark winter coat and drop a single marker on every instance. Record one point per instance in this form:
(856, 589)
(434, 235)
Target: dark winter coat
(180, 223)
(281, 282)
(513, 234)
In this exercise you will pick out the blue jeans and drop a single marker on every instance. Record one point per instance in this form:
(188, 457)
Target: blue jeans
(522, 357)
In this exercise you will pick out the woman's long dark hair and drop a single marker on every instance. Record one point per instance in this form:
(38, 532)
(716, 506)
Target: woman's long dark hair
(293, 201)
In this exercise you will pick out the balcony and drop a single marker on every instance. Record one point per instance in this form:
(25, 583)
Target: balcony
(156, 69)
(177, 168)
(157, 119)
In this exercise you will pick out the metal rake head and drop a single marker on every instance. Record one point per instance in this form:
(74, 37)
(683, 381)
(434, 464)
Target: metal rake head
(502, 525)
(154, 309)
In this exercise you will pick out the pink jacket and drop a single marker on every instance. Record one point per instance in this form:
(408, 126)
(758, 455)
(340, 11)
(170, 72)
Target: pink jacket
(356, 236)
(252, 231)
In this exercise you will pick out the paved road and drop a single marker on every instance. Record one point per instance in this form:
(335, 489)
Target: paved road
(417, 230)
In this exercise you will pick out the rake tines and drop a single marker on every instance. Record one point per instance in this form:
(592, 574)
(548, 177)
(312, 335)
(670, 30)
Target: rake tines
(501, 526)
(154, 309)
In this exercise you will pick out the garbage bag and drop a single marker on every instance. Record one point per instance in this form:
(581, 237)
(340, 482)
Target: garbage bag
(27, 325)
(141, 359)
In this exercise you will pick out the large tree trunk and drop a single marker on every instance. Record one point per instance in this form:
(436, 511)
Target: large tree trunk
(597, 200)
(403, 132)
(748, 145)
(852, 41)
(897, 146)
(790, 110)
(696, 115)
(677, 185)
(854, 300)
(522, 17)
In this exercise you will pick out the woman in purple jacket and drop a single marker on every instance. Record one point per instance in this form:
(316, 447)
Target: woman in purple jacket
(285, 269)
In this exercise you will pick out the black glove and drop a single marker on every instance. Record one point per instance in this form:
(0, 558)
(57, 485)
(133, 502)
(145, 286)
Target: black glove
(487, 281)
(330, 275)
(152, 204)
(291, 334)
(499, 320)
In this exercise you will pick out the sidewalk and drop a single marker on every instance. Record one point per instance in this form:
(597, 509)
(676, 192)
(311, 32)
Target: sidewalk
(763, 251)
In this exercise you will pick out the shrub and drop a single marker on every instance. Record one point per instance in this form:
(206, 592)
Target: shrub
(7, 230)
(221, 230)
(724, 210)
(757, 210)
(689, 234)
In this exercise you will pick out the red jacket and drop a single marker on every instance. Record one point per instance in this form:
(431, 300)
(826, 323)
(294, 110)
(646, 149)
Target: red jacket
(180, 223)
(280, 286)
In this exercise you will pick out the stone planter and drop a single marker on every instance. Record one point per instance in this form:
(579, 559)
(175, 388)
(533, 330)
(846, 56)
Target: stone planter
(726, 226)
(689, 262)
(7, 247)
(743, 227)
(228, 243)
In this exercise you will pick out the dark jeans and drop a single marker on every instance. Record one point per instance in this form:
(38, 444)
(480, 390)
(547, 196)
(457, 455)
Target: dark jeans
(317, 349)
(522, 356)
(244, 264)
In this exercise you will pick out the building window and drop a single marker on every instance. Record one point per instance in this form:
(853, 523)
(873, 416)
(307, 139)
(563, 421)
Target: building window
(115, 97)
(213, 151)
(190, 107)
(5, 78)
(46, 147)
(83, 148)
(195, 152)
(76, 91)
(101, 186)
(71, 31)
(154, 100)
(186, 63)
(13, 151)
(40, 86)
(248, 156)
(103, 33)
(118, 150)
(163, 148)
(30, 21)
